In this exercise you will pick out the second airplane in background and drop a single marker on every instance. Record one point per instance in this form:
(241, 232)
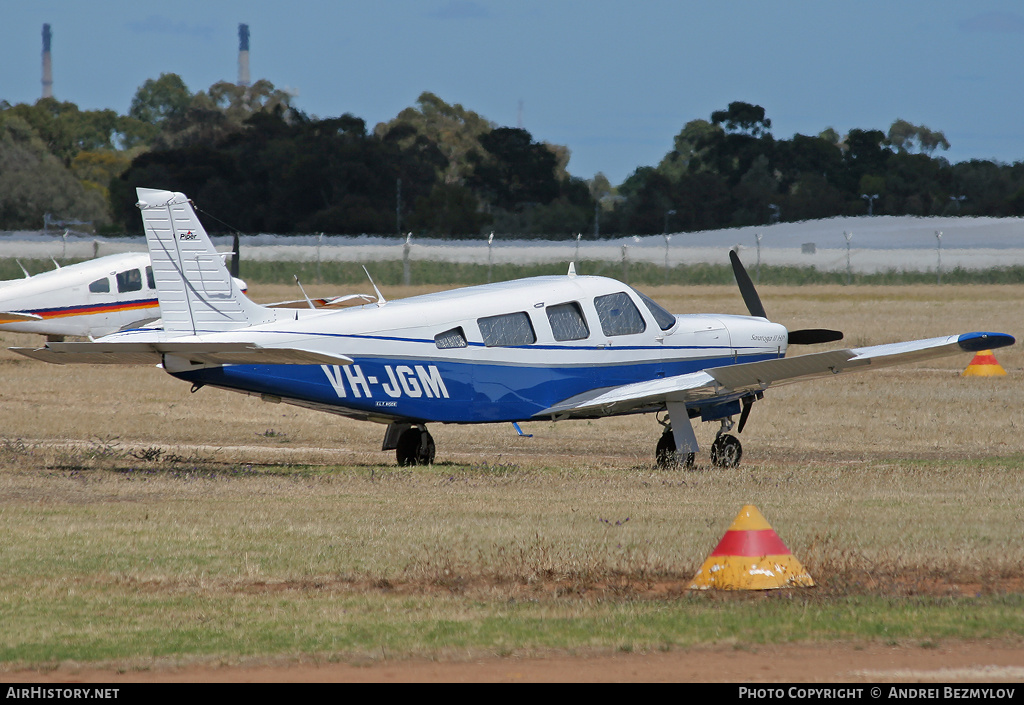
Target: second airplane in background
(89, 299)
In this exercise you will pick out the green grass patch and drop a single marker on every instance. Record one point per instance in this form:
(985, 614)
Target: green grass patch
(421, 272)
(103, 622)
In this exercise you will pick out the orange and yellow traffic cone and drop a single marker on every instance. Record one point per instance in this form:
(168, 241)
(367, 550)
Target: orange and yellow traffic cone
(751, 556)
(984, 364)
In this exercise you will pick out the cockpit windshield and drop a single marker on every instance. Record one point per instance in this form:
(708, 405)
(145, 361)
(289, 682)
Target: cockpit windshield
(664, 318)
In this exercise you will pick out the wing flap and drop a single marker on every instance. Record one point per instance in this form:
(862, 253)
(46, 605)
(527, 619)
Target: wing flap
(100, 353)
(627, 397)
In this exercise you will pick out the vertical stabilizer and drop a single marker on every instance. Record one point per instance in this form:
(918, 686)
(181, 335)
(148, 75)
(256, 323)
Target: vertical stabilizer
(196, 292)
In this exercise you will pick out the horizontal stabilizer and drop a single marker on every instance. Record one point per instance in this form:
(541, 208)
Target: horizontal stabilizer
(17, 317)
(198, 353)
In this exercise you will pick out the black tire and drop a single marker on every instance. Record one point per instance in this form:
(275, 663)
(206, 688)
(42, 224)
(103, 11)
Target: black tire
(415, 447)
(665, 454)
(726, 451)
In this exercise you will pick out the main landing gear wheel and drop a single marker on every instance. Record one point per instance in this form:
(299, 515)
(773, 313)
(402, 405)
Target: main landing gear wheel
(665, 455)
(415, 447)
(726, 451)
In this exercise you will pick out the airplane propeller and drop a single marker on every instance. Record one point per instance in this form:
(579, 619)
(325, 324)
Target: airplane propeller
(804, 336)
(233, 269)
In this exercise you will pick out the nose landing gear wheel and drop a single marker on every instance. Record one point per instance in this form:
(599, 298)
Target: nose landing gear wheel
(665, 455)
(726, 451)
(415, 447)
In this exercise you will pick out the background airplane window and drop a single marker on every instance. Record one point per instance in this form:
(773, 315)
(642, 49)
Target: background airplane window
(665, 319)
(619, 315)
(453, 338)
(130, 280)
(506, 330)
(100, 286)
(567, 322)
(149, 278)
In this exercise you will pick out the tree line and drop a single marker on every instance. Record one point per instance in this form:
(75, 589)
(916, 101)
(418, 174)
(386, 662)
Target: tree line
(256, 163)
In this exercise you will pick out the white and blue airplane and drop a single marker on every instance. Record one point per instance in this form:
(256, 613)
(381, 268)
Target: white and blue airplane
(544, 348)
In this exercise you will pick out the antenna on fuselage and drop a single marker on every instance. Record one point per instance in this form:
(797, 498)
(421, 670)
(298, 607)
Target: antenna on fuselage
(380, 297)
(27, 275)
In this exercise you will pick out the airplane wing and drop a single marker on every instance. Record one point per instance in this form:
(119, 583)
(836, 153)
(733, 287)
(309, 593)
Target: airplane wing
(17, 317)
(750, 377)
(197, 352)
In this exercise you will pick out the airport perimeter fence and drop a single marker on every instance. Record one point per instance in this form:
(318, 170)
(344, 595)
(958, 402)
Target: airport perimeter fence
(843, 250)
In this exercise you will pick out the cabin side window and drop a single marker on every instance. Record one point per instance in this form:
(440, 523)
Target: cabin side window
(100, 286)
(130, 280)
(507, 330)
(567, 322)
(619, 315)
(149, 278)
(454, 338)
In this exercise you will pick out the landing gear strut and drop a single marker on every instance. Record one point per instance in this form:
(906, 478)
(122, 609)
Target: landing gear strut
(415, 447)
(665, 455)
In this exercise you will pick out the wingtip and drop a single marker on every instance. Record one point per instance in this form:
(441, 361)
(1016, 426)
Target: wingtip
(976, 342)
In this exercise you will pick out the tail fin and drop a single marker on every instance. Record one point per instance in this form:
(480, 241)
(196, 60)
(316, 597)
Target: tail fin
(196, 291)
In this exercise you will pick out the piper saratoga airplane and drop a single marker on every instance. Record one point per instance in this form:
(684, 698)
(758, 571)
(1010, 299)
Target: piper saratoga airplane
(544, 348)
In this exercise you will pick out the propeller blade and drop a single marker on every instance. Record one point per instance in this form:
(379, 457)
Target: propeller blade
(813, 336)
(747, 290)
(234, 259)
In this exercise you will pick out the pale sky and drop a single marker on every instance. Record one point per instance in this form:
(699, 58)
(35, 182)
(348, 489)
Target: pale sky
(613, 81)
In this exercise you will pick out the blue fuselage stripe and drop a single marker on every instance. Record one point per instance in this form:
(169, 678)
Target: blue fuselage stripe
(445, 391)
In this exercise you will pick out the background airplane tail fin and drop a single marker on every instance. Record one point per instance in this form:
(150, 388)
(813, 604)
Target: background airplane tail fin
(196, 291)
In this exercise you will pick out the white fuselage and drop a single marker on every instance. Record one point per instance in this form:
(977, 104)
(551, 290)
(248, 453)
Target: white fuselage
(479, 354)
(91, 298)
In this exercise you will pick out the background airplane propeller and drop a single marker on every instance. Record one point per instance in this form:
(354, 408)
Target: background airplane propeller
(233, 269)
(804, 336)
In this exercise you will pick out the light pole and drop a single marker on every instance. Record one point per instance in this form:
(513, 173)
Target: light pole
(490, 261)
(938, 251)
(848, 236)
(871, 202)
(758, 236)
(667, 214)
(406, 274)
(667, 238)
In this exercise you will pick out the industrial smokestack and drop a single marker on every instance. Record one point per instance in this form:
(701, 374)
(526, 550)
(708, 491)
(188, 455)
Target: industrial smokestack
(243, 55)
(47, 65)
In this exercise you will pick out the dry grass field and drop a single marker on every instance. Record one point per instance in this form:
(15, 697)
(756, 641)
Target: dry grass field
(143, 525)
